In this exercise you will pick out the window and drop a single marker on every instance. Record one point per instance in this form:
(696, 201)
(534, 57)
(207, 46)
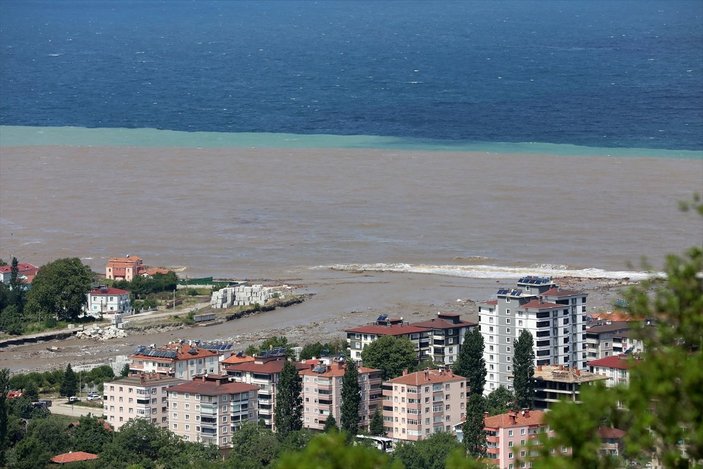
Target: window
(507, 339)
(507, 321)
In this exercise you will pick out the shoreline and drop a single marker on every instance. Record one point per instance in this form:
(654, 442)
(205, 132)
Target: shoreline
(322, 317)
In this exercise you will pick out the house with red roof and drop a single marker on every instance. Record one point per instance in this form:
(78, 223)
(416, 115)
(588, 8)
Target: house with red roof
(180, 360)
(508, 434)
(25, 273)
(124, 268)
(616, 368)
(107, 301)
(73, 456)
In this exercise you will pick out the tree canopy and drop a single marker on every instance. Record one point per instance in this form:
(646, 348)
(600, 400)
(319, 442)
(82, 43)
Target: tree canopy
(473, 429)
(470, 363)
(59, 290)
(289, 404)
(524, 370)
(500, 401)
(429, 453)
(391, 355)
(69, 385)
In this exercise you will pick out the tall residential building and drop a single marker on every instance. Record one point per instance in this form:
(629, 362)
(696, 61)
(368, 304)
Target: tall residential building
(181, 360)
(210, 408)
(141, 396)
(417, 405)
(555, 318)
(322, 393)
(264, 372)
(507, 436)
(439, 339)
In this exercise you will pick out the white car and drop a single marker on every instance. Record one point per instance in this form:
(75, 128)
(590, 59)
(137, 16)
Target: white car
(93, 396)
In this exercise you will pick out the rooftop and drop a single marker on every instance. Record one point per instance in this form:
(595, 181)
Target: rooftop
(212, 385)
(438, 323)
(523, 418)
(334, 369)
(265, 366)
(539, 304)
(146, 379)
(559, 293)
(395, 329)
(618, 362)
(425, 377)
(562, 374)
(610, 433)
(74, 456)
(22, 268)
(104, 291)
(609, 327)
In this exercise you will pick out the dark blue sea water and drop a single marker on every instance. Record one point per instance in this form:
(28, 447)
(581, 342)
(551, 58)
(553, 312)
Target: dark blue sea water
(593, 73)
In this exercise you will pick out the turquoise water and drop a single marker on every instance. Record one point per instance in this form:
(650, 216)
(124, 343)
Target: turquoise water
(11, 136)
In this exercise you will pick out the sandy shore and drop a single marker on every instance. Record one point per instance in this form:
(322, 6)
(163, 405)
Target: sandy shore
(339, 300)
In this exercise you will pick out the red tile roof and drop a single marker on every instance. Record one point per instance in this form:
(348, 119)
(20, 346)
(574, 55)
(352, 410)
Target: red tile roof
(537, 304)
(264, 367)
(211, 388)
(529, 418)
(75, 456)
(489, 302)
(334, 369)
(424, 377)
(396, 329)
(610, 433)
(558, 292)
(618, 362)
(108, 291)
(235, 359)
(22, 268)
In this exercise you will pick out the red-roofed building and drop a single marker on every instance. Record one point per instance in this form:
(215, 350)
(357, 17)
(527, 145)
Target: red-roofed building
(322, 393)
(180, 360)
(108, 301)
(439, 339)
(124, 268)
(25, 272)
(74, 456)
(210, 408)
(612, 441)
(507, 436)
(616, 368)
(264, 372)
(417, 405)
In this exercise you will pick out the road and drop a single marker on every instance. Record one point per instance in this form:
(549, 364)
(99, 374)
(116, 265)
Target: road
(59, 406)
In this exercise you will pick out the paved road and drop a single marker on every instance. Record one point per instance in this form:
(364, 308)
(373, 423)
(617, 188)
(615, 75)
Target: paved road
(59, 406)
(163, 314)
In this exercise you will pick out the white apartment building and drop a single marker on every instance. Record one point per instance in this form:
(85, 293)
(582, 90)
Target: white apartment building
(140, 396)
(106, 301)
(210, 408)
(322, 392)
(416, 405)
(555, 318)
(181, 360)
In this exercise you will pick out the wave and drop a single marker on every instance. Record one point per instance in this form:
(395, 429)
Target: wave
(11, 136)
(493, 271)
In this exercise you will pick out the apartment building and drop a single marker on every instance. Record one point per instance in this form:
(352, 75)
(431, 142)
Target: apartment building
(265, 373)
(210, 408)
(181, 360)
(555, 318)
(615, 369)
(138, 396)
(439, 339)
(507, 437)
(322, 392)
(417, 405)
(604, 339)
(557, 382)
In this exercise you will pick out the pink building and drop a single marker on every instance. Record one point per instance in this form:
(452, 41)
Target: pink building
(140, 396)
(124, 268)
(419, 404)
(210, 408)
(322, 393)
(507, 436)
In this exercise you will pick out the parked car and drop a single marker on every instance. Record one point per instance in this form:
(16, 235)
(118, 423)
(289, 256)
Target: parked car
(73, 399)
(94, 396)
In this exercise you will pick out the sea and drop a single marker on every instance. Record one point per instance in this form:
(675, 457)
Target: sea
(478, 139)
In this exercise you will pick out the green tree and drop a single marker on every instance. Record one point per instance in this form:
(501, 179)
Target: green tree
(90, 435)
(69, 385)
(125, 370)
(31, 391)
(276, 342)
(500, 401)
(473, 429)
(430, 453)
(11, 320)
(376, 427)
(351, 399)
(330, 451)
(330, 424)
(470, 363)
(59, 290)
(253, 446)
(664, 401)
(391, 355)
(4, 388)
(288, 416)
(17, 288)
(524, 370)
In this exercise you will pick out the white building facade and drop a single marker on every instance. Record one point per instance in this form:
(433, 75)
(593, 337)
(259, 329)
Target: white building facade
(554, 317)
(108, 301)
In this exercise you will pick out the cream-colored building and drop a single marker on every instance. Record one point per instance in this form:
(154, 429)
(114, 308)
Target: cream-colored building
(210, 408)
(181, 360)
(416, 405)
(138, 396)
(322, 393)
